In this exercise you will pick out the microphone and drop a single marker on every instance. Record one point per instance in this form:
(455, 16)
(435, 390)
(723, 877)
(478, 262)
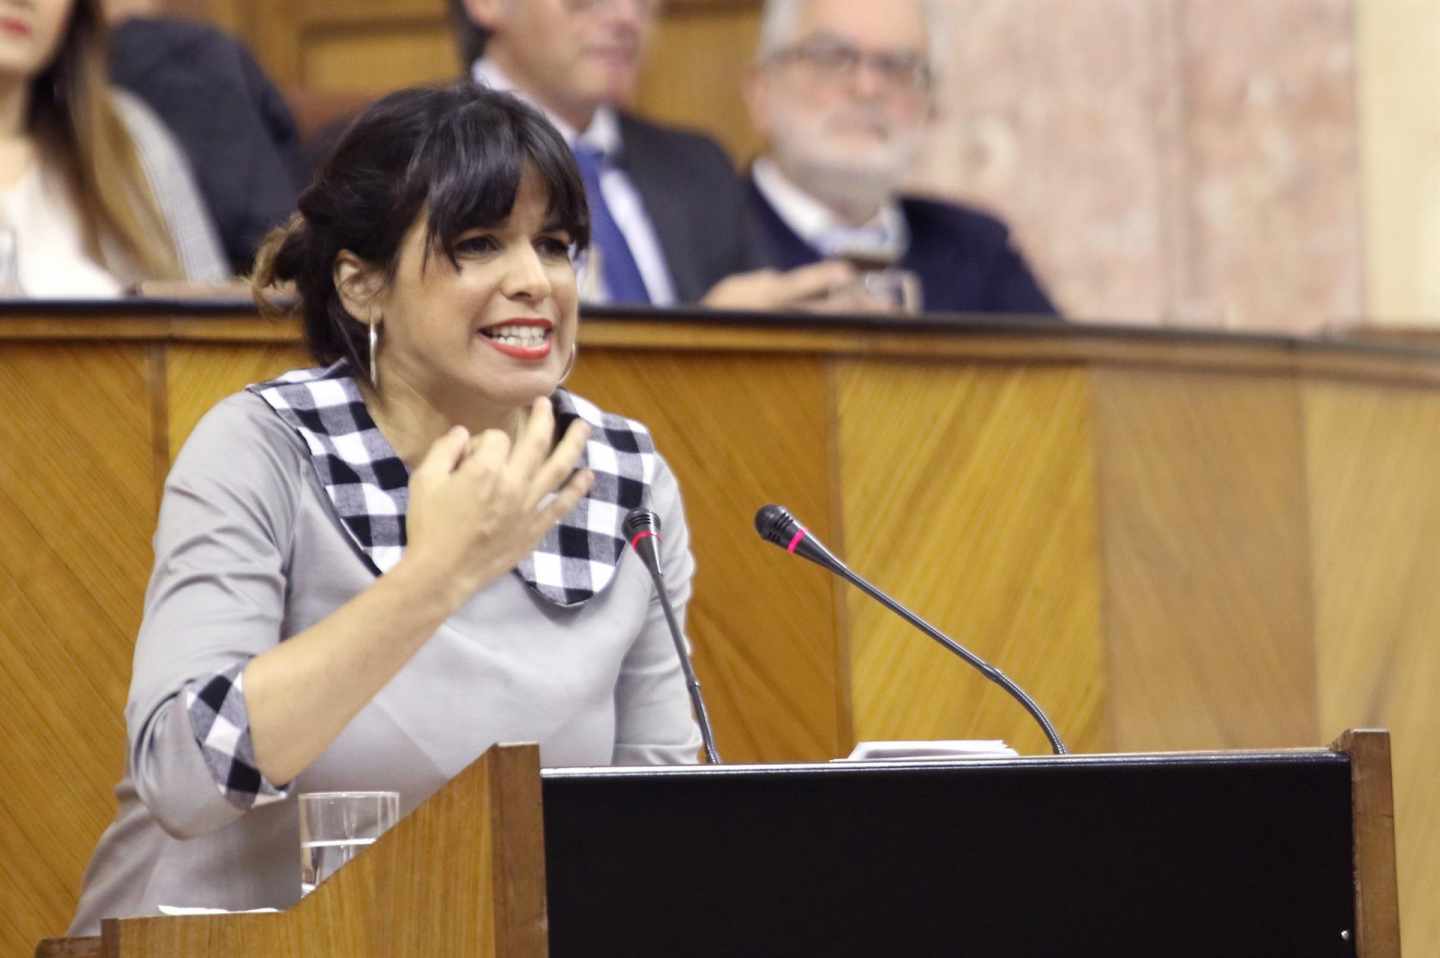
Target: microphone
(776, 524)
(642, 531)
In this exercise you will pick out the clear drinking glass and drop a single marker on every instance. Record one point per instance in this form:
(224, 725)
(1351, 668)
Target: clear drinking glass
(895, 287)
(336, 826)
(879, 282)
(9, 263)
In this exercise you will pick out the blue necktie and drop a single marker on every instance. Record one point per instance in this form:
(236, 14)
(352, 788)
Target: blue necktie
(621, 273)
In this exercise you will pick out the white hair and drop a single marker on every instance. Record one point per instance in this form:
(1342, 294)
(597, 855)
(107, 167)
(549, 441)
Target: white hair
(779, 22)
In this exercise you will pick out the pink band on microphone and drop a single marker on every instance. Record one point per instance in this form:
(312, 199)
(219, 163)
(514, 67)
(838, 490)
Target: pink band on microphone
(799, 536)
(646, 534)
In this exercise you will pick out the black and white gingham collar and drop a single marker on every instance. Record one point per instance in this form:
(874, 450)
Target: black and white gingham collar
(368, 483)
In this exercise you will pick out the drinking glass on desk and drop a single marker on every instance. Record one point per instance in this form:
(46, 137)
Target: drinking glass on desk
(10, 263)
(336, 826)
(887, 285)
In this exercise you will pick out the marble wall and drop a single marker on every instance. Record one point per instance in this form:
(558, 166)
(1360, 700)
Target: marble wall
(1399, 92)
(1177, 161)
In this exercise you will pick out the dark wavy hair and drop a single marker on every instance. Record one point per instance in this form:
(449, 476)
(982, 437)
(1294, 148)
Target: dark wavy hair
(455, 153)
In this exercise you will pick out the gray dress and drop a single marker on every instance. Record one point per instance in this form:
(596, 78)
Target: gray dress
(249, 550)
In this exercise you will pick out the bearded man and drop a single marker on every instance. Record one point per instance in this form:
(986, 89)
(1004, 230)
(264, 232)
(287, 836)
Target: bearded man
(844, 94)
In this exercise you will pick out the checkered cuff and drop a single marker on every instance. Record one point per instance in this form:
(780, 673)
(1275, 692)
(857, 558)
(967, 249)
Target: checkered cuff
(222, 730)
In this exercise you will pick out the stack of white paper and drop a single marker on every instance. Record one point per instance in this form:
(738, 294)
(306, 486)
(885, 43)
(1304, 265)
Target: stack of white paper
(181, 910)
(937, 750)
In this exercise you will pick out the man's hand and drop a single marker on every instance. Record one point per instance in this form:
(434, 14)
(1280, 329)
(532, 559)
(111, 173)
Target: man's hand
(769, 289)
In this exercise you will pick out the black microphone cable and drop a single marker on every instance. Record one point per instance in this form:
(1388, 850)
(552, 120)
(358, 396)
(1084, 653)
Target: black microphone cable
(642, 531)
(776, 524)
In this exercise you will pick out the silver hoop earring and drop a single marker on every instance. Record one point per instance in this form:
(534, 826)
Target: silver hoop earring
(374, 348)
(570, 366)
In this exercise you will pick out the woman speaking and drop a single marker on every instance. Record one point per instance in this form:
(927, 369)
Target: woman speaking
(368, 572)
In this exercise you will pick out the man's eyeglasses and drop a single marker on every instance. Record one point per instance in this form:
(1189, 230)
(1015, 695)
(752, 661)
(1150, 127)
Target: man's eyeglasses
(839, 60)
(644, 8)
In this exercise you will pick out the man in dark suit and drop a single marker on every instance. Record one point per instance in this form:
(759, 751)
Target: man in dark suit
(234, 125)
(843, 92)
(668, 210)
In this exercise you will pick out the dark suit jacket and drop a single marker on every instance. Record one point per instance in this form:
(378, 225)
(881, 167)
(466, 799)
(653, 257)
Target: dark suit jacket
(963, 257)
(232, 122)
(695, 202)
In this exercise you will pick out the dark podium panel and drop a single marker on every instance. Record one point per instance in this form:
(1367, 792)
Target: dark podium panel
(1224, 854)
(1237, 853)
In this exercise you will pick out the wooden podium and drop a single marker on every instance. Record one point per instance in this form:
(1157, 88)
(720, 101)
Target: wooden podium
(1188, 853)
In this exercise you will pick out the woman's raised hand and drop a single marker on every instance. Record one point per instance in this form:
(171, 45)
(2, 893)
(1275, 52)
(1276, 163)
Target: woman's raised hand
(479, 503)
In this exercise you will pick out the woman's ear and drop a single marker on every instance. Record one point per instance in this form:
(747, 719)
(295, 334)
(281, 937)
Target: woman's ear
(359, 286)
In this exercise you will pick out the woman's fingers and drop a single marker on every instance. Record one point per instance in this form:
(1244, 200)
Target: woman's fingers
(561, 463)
(534, 439)
(567, 497)
(443, 455)
(487, 451)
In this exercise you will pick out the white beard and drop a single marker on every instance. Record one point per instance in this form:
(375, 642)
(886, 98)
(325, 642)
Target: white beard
(845, 180)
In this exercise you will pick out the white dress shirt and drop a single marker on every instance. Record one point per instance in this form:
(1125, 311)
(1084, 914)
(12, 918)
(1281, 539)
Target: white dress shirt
(47, 241)
(603, 134)
(885, 237)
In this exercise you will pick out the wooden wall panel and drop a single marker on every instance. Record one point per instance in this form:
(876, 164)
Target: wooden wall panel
(345, 58)
(76, 514)
(198, 376)
(1373, 458)
(696, 65)
(763, 625)
(969, 495)
(1207, 560)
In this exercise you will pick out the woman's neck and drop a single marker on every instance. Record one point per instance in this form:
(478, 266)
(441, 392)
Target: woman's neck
(14, 106)
(412, 421)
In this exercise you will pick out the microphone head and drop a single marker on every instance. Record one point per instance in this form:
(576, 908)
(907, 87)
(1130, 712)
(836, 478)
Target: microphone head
(776, 524)
(638, 521)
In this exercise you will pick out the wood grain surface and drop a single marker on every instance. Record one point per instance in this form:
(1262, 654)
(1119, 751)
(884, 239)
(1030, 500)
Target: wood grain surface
(740, 431)
(969, 496)
(77, 508)
(1174, 542)
(69, 948)
(1377, 903)
(1374, 457)
(443, 882)
(1207, 560)
(198, 375)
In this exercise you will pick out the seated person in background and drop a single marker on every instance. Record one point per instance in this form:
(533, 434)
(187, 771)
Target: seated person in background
(235, 126)
(843, 92)
(667, 207)
(369, 572)
(94, 194)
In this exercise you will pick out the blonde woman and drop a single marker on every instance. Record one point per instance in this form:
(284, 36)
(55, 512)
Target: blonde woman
(94, 194)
